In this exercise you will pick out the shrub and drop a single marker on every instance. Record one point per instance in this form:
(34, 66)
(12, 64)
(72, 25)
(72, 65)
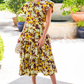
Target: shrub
(2, 6)
(1, 48)
(1, 1)
(14, 5)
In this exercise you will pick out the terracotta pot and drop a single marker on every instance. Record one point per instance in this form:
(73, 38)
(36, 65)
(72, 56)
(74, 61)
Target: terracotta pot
(78, 16)
(15, 20)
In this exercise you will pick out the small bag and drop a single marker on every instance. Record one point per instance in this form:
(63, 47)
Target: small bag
(18, 48)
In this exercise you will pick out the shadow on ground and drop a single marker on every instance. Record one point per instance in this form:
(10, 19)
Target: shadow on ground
(10, 30)
(41, 80)
(7, 23)
(7, 27)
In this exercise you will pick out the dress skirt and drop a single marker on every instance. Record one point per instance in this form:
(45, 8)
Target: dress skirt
(33, 59)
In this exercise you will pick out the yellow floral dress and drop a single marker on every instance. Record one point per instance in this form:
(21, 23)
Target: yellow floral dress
(34, 59)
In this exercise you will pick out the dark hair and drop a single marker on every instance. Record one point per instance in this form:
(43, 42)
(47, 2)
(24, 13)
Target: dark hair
(57, 1)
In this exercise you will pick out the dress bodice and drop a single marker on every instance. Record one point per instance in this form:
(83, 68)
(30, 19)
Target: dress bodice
(36, 11)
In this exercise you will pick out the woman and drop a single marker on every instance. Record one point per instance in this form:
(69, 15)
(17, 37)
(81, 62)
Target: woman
(36, 52)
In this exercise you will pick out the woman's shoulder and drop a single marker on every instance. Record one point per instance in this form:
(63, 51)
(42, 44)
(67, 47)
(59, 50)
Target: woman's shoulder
(47, 2)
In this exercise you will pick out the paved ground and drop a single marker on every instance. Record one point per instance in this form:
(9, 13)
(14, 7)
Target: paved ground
(68, 54)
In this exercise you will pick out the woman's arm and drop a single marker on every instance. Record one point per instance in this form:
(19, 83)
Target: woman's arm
(48, 20)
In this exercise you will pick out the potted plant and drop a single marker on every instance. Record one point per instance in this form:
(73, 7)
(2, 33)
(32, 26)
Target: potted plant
(75, 9)
(21, 21)
(14, 6)
(1, 49)
(80, 30)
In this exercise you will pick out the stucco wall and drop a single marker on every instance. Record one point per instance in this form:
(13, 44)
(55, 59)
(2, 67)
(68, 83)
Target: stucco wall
(62, 29)
(57, 14)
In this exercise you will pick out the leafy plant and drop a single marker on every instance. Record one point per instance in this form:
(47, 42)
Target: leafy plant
(1, 48)
(2, 6)
(75, 6)
(80, 24)
(14, 5)
(20, 19)
(1, 1)
(57, 1)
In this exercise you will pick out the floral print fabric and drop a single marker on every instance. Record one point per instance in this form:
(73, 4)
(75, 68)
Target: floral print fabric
(34, 59)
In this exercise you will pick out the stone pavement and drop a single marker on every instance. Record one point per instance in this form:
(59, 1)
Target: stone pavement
(68, 56)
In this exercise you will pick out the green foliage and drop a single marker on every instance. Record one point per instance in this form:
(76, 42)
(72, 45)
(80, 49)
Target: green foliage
(1, 1)
(57, 1)
(14, 5)
(1, 48)
(20, 19)
(2, 6)
(75, 6)
(80, 24)
(19, 12)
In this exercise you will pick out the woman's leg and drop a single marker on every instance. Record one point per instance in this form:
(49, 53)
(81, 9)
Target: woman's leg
(53, 78)
(34, 79)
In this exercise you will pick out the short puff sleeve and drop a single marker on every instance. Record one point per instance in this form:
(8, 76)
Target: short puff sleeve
(24, 8)
(47, 5)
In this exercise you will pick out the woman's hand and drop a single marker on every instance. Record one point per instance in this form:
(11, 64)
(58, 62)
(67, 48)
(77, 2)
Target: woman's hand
(41, 42)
